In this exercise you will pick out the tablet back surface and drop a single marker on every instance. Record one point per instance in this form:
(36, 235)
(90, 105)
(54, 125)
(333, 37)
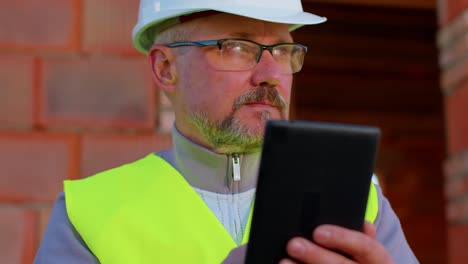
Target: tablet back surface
(311, 173)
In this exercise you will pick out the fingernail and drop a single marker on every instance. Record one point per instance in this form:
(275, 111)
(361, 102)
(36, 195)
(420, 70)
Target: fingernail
(286, 261)
(297, 248)
(322, 234)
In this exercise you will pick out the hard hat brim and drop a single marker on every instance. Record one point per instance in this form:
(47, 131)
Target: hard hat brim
(295, 20)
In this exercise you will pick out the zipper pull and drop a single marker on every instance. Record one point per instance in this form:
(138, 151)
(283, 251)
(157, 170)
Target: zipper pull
(236, 167)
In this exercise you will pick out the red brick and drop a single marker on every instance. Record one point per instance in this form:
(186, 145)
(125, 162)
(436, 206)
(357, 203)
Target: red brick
(456, 187)
(451, 34)
(45, 24)
(44, 215)
(107, 26)
(97, 92)
(456, 172)
(457, 121)
(454, 76)
(102, 152)
(449, 10)
(457, 165)
(457, 241)
(442, 12)
(457, 210)
(16, 96)
(34, 165)
(453, 51)
(18, 235)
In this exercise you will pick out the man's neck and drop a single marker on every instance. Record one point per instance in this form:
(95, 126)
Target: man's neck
(210, 171)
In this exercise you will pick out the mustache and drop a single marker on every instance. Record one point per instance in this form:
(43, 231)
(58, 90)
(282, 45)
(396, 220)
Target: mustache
(261, 94)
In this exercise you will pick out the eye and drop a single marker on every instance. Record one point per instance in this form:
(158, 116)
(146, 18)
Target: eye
(282, 50)
(239, 46)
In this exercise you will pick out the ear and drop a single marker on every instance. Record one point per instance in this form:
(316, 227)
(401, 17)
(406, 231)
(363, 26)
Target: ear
(163, 68)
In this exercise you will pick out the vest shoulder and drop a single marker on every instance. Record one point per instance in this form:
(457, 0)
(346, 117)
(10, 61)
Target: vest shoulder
(137, 171)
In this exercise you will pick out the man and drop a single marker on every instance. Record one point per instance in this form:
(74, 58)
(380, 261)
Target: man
(227, 68)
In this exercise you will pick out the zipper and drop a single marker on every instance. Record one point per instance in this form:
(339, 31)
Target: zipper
(236, 175)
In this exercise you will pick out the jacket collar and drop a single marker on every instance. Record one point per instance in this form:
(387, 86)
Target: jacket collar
(210, 171)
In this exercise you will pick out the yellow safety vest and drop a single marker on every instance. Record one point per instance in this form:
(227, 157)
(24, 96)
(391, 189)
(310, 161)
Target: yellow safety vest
(146, 212)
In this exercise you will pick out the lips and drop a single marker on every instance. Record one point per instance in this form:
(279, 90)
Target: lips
(266, 103)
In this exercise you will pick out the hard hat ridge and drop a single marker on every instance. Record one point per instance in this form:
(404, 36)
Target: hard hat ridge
(162, 14)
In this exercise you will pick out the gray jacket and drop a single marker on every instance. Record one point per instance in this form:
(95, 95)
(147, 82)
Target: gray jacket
(210, 174)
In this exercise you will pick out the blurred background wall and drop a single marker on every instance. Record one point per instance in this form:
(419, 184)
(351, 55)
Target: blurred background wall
(76, 98)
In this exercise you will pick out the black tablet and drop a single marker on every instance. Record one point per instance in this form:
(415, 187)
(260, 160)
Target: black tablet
(310, 173)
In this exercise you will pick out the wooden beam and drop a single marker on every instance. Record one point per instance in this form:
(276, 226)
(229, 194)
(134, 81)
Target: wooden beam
(418, 4)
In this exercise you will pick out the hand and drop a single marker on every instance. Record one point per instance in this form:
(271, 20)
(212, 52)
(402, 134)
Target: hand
(362, 247)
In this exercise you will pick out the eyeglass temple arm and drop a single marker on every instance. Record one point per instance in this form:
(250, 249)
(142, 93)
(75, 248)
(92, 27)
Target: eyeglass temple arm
(192, 43)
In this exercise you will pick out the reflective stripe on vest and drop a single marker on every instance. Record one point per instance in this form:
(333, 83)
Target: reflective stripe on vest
(146, 212)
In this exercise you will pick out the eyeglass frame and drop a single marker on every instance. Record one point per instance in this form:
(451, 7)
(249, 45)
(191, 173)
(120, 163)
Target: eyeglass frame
(219, 43)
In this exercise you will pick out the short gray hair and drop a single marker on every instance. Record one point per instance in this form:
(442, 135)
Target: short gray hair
(171, 31)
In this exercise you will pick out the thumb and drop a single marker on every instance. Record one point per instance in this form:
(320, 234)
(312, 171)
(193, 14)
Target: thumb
(369, 229)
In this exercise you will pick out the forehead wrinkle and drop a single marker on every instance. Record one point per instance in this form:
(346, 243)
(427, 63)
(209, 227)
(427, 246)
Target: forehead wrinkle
(279, 38)
(250, 36)
(227, 25)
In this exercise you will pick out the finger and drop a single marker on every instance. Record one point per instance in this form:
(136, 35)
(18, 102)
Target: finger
(287, 261)
(363, 248)
(305, 251)
(369, 229)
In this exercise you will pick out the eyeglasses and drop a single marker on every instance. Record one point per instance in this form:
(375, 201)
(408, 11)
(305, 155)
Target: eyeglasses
(243, 54)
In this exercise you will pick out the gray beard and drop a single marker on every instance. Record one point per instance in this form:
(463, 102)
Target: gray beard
(229, 135)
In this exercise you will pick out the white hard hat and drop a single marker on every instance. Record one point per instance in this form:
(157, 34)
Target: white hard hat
(164, 13)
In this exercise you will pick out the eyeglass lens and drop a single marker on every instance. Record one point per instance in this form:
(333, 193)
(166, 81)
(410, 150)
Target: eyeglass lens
(240, 55)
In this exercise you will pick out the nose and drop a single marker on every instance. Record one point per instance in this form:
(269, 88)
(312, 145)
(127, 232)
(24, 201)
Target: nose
(267, 71)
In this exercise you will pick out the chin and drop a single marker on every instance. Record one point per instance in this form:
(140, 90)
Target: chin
(257, 129)
(257, 125)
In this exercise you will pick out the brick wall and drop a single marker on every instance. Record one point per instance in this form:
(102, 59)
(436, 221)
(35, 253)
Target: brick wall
(75, 99)
(453, 43)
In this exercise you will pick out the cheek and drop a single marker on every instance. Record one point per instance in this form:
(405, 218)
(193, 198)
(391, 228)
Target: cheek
(193, 81)
(285, 88)
(221, 89)
(209, 91)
